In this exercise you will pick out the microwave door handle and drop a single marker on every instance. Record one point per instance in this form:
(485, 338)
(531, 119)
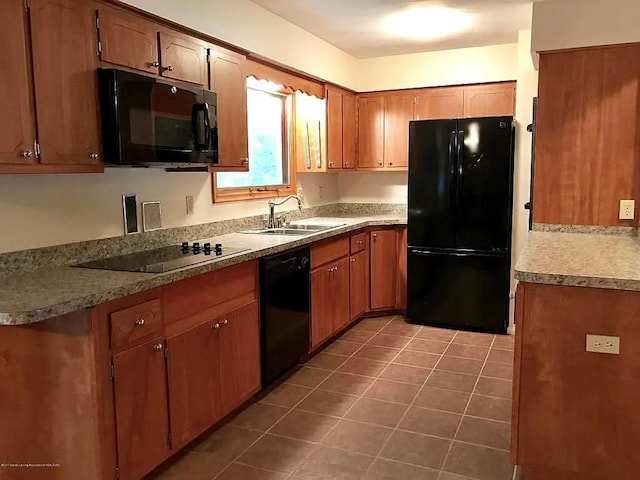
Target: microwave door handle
(195, 126)
(207, 127)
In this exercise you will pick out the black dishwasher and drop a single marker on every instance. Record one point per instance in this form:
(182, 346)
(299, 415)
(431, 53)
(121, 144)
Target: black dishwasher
(284, 311)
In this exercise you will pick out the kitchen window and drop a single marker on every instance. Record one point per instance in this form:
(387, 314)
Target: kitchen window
(271, 173)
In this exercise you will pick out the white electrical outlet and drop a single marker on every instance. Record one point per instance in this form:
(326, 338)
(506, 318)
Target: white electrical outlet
(603, 344)
(321, 191)
(190, 205)
(627, 209)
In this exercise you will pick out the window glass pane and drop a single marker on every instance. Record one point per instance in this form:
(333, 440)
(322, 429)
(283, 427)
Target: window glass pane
(265, 114)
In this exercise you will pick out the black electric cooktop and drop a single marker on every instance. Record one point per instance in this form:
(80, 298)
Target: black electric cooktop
(164, 259)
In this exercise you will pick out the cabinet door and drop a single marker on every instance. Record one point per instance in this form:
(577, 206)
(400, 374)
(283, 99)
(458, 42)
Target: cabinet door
(349, 130)
(128, 40)
(17, 132)
(359, 284)
(66, 84)
(371, 132)
(491, 100)
(194, 382)
(334, 128)
(398, 112)
(321, 305)
(439, 103)
(183, 58)
(384, 265)
(228, 80)
(239, 356)
(401, 282)
(142, 417)
(339, 298)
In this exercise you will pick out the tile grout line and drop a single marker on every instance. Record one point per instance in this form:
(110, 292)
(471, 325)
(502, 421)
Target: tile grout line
(467, 406)
(263, 434)
(319, 444)
(395, 429)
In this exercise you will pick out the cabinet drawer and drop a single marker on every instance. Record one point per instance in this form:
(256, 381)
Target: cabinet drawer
(135, 322)
(358, 242)
(327, 251)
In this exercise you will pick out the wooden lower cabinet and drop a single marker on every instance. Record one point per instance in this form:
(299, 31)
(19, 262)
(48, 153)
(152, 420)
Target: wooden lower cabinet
(141, 408)
(359, 284)
(329, 300)
(384, 266)
(575, 412)
(401, 280)
(239, 356)
(193, 362)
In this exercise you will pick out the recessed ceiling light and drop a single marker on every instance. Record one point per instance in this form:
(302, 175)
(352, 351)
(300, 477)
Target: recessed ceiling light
(426, 23)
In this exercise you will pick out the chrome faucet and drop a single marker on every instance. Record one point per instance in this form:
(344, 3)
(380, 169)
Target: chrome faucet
(272, 209)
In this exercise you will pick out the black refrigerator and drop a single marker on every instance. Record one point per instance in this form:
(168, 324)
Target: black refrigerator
(459, 220)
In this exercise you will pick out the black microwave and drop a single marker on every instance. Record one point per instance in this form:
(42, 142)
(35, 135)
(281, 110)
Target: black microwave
(150, 122)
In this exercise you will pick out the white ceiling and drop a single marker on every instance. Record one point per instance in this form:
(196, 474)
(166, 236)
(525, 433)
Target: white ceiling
(355, 25)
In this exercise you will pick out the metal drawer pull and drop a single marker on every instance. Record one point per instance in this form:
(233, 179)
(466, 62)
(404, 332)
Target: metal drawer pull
(94, 156)
(158, 346)
(168, 68)
(140, 322)
(27, 154)
(154, 64)
(353, 260)
(215, 326)
(224, 322)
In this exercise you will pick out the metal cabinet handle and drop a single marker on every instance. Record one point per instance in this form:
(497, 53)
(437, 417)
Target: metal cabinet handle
(375, 235)
(215, 326)
(359, 242)
(168, 68)
(224, 322)
(245, 161)
(333, 269)
(94, 156)
(140, 322)
(390, 164)
(27, 154)
(154, 64)
(353, 260)
(158, 346)
(380, 164)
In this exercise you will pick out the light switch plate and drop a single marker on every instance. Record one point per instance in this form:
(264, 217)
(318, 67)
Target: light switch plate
(603, 344)
(627, 209)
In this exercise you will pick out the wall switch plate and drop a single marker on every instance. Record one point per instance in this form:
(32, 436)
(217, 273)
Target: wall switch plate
(627, 209)
(190, 205)
(603, 344)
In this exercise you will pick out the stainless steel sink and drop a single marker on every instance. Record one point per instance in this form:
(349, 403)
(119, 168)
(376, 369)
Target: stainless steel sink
(297, 229)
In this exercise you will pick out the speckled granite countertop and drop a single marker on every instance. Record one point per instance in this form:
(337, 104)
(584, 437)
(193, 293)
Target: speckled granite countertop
(49, 292)
(582, 260)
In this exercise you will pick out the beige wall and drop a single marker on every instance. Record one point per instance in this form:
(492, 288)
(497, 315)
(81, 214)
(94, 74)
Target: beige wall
(580, 23)
(446, 67)
(43, 210)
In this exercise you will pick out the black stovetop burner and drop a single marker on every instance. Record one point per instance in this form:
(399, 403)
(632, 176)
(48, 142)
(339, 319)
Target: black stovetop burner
(164, 259)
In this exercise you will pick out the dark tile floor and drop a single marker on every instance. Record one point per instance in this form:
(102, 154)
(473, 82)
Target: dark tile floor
(386, 401)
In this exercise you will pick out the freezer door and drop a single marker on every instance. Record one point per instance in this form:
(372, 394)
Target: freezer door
(485, 183)
(432, 168)
(458, 290)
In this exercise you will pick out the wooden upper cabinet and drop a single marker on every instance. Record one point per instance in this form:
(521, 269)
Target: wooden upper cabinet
(384, 266)
(228, 79)
(439, 103)
(398, 112)
(17, 122)
(194, 382)
(142, 416)
(183, 58)
(66, 84)
(128, 40)
(349, 130)
(239, 355)
(371, 133)
(587, 136)
(334, 128)
(490, 100)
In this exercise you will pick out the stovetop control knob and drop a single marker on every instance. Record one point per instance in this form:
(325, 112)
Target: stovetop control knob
(218, 249)
(185, 247)
(196, 247)
(207, 248)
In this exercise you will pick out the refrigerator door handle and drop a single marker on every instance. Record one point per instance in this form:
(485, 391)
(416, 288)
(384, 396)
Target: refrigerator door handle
(452, 167)
(459, 144)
